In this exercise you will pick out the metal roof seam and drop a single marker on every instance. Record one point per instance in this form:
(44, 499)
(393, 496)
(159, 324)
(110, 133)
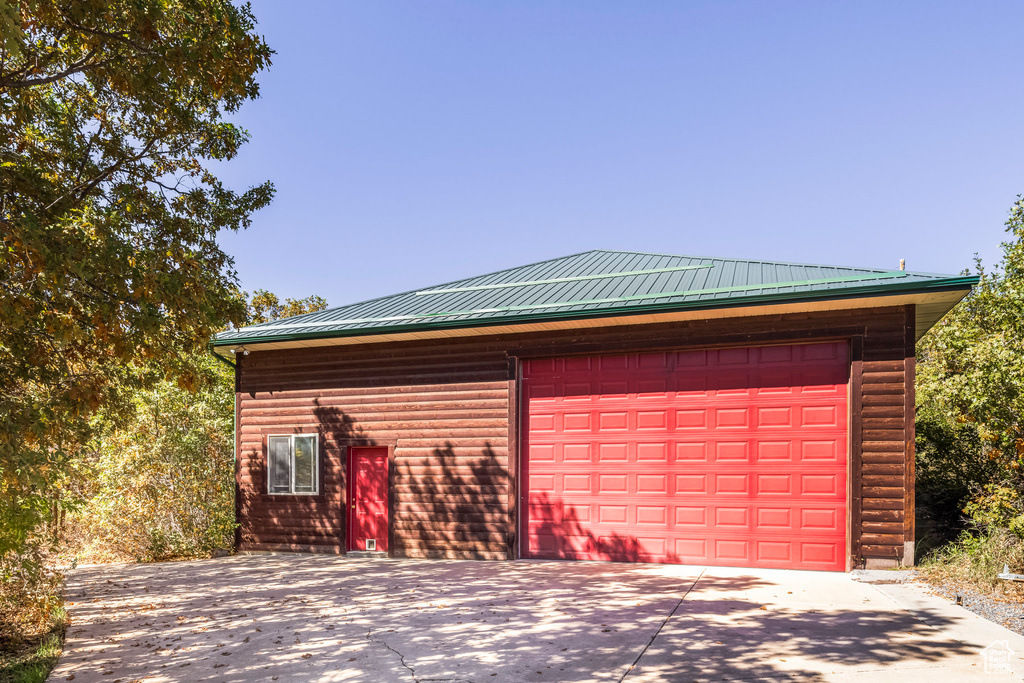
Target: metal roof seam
(589, 281)
(953, 284)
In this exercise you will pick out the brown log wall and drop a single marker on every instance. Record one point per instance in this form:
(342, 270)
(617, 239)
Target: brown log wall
(447, 407)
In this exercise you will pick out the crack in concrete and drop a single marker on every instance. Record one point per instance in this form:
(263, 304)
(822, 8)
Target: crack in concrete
(401, 657)
(412, 672)
(663, 624)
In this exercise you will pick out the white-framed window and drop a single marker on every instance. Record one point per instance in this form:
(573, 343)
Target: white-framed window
(293, 464)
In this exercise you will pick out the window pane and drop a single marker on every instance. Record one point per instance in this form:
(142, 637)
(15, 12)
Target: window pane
(305, 464)
(279, 463)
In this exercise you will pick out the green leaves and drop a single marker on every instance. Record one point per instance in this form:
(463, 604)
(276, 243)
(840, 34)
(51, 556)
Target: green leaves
(161, 481)
(265, 306)
(111, 278)
(970, 387)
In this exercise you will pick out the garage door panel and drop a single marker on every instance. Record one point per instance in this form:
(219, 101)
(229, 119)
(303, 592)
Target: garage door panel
(690, 384)
(820, 518)
(825, 484)
(732, 517)
(690, 483)
(581, 392)
(819, 416)
(573, 452)
(540, 393)
(543, 483)
(731, 418)
(652, 389)
(732, 357)
(733, 457)
(831, 450)
(575, 483)
(540, 453)
(822, 352)
(774, 485)
(730, 384)
(576, 421)
(656, 452)
(691, 451)
(656, 515)
(577, 364)
(690, 516)
(542, 422)
(691, 418)
(611, 484)
(773, 551)
(613, 421)
(773, 519)
(725, 484)
(819, 553)
(732, 452)
(612, 391)
(691, 359)
(652, 419)
(612, 452)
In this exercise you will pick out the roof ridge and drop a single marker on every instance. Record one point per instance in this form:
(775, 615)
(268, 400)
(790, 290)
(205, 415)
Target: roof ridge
(768, 262)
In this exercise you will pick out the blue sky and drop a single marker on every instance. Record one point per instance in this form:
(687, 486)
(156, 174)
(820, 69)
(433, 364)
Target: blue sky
(413, 143)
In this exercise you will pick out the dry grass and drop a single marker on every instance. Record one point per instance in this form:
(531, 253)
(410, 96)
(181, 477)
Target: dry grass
(30, 660)
(32, 615)
(972, 562)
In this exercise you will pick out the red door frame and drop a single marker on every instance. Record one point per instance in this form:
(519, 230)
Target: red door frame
(383, 535)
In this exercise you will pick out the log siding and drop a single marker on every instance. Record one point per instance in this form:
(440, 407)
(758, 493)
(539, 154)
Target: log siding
(449, 411)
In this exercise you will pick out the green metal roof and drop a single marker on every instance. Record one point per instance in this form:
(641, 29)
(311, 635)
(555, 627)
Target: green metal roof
(595, 284)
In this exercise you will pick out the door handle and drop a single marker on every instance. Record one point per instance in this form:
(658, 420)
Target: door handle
(353, 506)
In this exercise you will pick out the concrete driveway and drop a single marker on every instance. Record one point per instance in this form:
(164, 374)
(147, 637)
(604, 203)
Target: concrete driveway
(317, 618)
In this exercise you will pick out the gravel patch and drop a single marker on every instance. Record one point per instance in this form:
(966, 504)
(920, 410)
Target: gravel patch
(1003, 612)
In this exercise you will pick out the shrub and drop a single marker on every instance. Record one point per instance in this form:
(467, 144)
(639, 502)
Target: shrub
(30, 594)
(162, 477)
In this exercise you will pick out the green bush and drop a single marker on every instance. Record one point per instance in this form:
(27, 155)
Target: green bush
(162, 477)
(951, 467)
(998, 506)
(30, 593)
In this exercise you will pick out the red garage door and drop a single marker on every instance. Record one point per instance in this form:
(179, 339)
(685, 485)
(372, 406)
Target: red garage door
(724, 457)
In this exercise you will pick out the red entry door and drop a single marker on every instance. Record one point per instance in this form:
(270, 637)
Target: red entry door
(368, 499)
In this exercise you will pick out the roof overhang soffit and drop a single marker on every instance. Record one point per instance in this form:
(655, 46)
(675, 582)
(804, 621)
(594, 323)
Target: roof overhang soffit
(930, 307)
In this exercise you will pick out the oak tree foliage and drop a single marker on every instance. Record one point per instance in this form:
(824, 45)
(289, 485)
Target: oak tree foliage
(266, 307)
(970, 399)
(160, 482)
(112, 113)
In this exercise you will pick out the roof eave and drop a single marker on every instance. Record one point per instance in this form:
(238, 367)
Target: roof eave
(964, 283)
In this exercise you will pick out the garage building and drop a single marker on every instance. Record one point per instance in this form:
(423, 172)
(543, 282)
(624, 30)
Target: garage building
(601, 406)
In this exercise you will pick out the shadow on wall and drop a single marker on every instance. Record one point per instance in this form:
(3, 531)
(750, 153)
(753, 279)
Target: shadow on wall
(557, 533)
(337, 429)
(270, 521)
(452, 504)
(449, 505)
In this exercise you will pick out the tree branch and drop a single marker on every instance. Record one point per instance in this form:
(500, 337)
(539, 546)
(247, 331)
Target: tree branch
(77, 67)
(82, 189)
